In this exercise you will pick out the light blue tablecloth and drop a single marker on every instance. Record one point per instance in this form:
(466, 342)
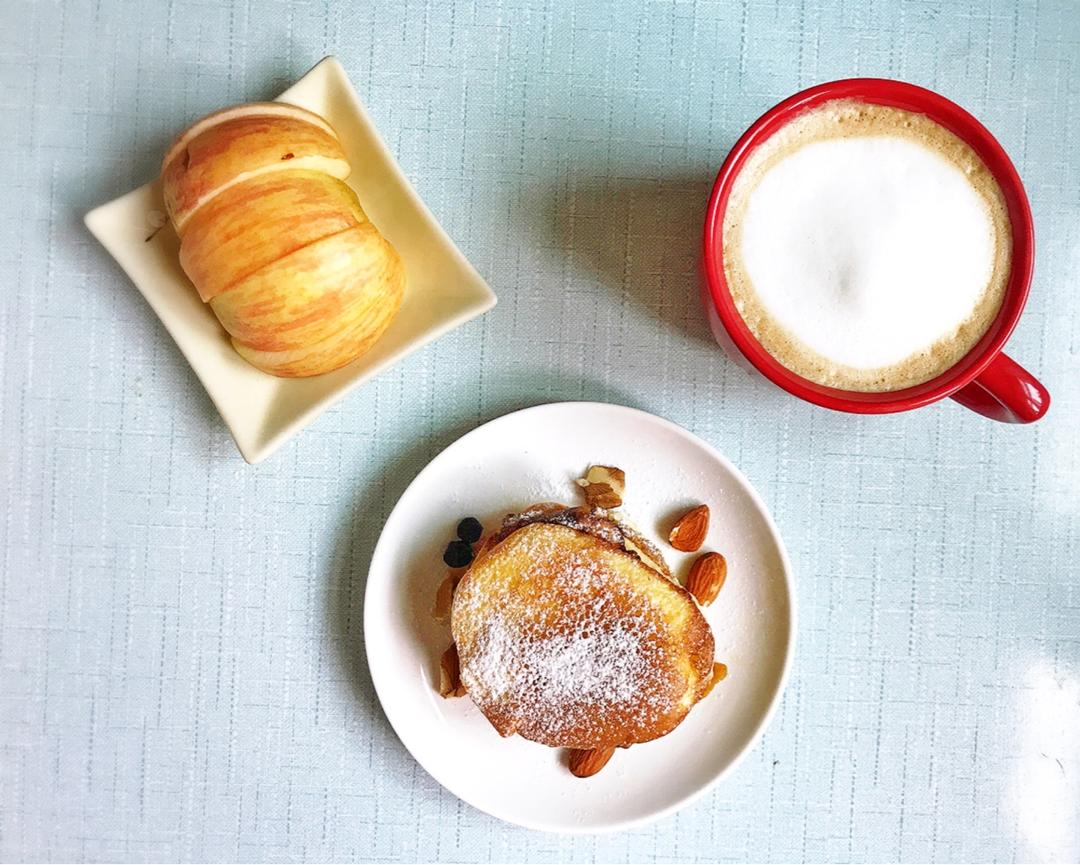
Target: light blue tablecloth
(181, 665)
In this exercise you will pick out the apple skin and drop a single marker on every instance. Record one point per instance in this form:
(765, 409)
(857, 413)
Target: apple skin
(254, 223)
(239, 148)
(338, 350)
(246, 109)
(276, 242)
(317, 308)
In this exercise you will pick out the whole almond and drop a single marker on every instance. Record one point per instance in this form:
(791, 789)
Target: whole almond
(707, 576)
(584, 763)
(688, 533)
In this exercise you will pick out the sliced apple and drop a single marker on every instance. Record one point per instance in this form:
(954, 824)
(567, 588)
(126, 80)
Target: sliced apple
(237, 144)
(334, 352)
(276, 242)
(350, 279)
(248, 109)
(254, 224)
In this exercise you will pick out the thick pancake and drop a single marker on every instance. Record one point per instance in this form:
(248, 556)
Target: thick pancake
(594, 521)
(568, 638)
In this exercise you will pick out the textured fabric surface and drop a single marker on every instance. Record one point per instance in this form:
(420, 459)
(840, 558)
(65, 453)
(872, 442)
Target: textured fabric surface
(181, 664)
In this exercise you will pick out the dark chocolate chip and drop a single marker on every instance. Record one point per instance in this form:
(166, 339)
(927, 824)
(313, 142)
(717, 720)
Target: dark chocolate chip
(458, 554)
(470, 530)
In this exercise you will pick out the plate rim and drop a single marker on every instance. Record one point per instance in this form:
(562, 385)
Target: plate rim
(759, 728)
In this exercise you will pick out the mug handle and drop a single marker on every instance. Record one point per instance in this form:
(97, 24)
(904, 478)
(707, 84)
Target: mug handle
(1005, 392)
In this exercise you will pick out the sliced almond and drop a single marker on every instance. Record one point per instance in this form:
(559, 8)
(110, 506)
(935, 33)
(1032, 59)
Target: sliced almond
(444, 597)
(689, 531)
(719, 673)
(584, 763)
(450, 674)
(604, 486)
(707, 576)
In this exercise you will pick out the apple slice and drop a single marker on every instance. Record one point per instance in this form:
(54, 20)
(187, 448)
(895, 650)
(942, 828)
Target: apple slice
(349, 279)
(248, 109)
(236, 144)
(337, 350)
(253, 224)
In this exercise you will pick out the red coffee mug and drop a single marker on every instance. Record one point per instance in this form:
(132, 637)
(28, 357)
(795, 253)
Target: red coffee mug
(986, 380)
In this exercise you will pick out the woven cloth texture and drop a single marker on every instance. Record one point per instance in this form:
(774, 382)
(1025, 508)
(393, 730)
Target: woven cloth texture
(182, 673)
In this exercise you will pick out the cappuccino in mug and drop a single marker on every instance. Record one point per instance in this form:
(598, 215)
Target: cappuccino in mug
(867, 248)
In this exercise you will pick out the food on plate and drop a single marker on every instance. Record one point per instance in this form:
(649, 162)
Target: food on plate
(444, 597)
(709, 570)
(604, 486)
(458, 554)
(450, 674)
(584, 763)
(570, 630)
(275, 240)
(568, 637)
(719, 673)
(690, 530)
(707, 576)
(470, 530)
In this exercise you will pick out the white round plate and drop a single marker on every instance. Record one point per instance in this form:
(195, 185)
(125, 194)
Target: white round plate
(534, 455)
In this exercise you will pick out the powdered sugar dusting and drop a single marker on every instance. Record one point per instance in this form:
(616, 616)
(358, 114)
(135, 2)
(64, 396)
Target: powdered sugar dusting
(572, 653)
(585, 665)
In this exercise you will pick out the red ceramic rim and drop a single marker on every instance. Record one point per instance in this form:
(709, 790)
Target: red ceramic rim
(898, 94)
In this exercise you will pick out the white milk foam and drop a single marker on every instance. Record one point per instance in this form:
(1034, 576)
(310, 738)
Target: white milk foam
(866, 251)
(887, 243)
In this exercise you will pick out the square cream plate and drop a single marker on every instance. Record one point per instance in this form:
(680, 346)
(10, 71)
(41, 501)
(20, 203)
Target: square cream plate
(263, 412)
(531, 456)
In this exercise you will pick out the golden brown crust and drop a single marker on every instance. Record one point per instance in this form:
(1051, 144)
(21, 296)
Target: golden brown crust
(568, 638)
(595, 521)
